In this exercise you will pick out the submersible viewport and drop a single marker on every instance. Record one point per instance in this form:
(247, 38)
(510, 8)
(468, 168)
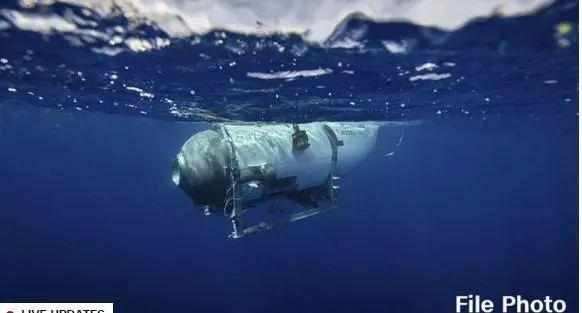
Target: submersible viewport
(232, 167)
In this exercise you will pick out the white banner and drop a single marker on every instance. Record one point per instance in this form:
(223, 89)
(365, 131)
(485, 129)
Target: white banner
(56, 307)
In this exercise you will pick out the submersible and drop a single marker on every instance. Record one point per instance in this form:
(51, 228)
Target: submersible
(232, 168)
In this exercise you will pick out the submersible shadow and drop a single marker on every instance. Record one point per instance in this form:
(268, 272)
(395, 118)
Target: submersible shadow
(231, 168)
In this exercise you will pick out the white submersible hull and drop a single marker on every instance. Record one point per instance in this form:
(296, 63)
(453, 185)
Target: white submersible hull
(232, 167)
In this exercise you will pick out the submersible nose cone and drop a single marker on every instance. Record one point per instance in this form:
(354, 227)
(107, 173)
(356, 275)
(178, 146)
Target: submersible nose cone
(199, 168)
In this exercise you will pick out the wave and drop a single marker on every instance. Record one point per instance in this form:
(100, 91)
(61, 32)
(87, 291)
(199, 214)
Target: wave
(108, 57)
(114, 26)
(315, 20)
(109, 32)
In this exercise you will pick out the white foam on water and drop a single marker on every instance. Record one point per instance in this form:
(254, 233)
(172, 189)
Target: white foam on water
(140, 91)
(430, 76)
(426, 67)
(290, 74)
(396, 47)
(45, 24)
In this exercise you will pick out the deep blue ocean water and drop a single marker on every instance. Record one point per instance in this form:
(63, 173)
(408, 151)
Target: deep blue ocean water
(479, 197)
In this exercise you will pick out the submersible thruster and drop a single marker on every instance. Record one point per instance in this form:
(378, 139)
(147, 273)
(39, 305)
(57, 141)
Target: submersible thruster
(231, 168)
